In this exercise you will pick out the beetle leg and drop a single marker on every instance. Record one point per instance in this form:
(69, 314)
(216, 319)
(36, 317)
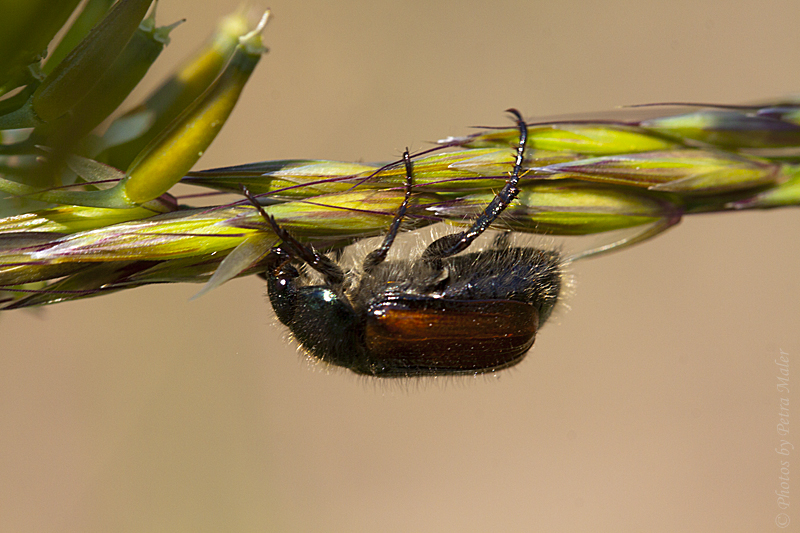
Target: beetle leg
(457, 242)
(321, 263)
(377, 256)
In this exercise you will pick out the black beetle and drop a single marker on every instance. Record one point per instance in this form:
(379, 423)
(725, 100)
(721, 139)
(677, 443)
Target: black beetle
(441, 313)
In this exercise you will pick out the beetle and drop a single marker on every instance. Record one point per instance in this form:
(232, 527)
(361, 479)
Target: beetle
(439, 314)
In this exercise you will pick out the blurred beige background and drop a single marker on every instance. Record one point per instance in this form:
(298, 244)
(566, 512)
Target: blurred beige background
(651, 405)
